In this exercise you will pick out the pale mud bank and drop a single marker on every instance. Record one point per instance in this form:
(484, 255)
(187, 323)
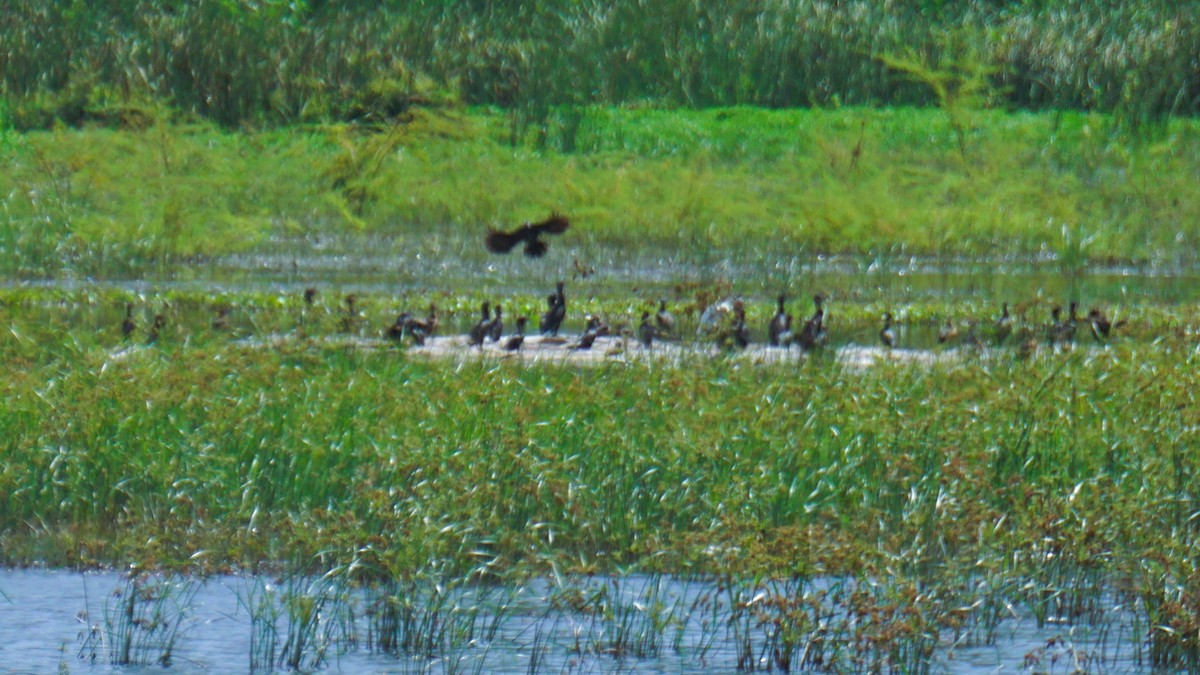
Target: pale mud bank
(609, 349)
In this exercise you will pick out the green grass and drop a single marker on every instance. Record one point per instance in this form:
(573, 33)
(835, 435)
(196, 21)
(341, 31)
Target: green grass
(239, 64)
(255, 454)
(1048, 483)
(732, 184)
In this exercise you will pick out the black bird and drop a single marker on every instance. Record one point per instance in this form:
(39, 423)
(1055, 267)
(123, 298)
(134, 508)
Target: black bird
(401, 328)
(514, 342)
(1101, 326)
(585, 341)
(596, 325)
(496, 327)
(350, 321)
(594, 328)
(503, 242)
(779, 332)
(1062, 330)
(159, 321)
(664, 320)
(127, 326)
(886, 335)
(480, 330)
(1004, 325)
(813, 334)
(557, 311)
(424, 330)
(647, 331)
(310, 294)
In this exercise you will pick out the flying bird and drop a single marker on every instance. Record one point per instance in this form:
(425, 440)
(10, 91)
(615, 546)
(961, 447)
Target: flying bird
(503, 242)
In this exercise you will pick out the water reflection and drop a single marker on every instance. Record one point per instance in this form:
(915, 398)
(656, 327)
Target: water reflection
(54, 620)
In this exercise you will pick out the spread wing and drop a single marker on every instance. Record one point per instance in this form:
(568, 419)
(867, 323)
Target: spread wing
(503, 242)
(555, 224)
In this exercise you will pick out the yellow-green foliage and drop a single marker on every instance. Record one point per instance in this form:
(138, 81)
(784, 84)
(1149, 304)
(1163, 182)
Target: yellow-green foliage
(689, 183)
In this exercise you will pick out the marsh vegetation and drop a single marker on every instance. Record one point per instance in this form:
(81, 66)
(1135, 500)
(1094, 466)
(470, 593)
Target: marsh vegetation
(174, 406)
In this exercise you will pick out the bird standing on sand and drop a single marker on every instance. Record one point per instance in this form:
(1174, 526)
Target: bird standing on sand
(481, 329)
(736, 335)
(664, 320)
(424, 330)
(555, 313)
(779, 332)
(350, 320)
(496, 327)
(398, 330)
(514, 342)
(1004, 325)
(595, 328)
(813, 334)
(503, 242)
(886, 334)
(1101, 326)
(155, 328)
(647, 331)
(128, 326)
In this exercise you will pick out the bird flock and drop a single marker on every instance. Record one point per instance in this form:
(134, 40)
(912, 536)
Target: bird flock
(722, 323)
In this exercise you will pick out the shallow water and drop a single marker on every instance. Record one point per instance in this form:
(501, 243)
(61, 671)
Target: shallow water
(407, 264)
(64, 622)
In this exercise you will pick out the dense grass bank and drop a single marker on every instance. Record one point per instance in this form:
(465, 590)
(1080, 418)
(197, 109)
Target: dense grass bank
(1054, 480)
(239, 63)
(698, 186)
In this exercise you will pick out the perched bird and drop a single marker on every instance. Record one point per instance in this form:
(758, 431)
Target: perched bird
(310, 294)
(128, 326)
(886, 334)
(647, 331)
(779, 332)
(401, 328)
(1004, 325)
(155, 328)
(503, 242)
(556, 312)
(1062, 330)
(712, 319)
(948, 333)
(813, 334)
(741, 334)
(481, 329)
(664, 320)
(1101, 326)
(514, 342)
(1072, 320)
(585, 342)
(736, 335)
(424, 330)
(594, 324)
(594, 328)
(496, 327)
(350, 320)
